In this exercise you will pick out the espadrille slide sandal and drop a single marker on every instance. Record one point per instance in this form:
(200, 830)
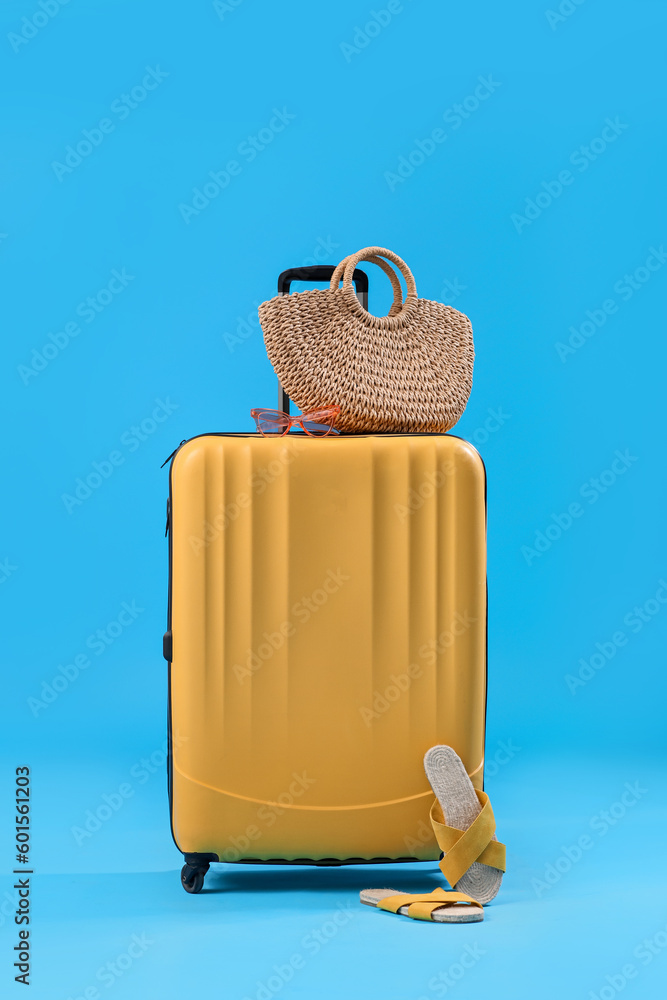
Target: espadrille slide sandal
(441, 906)
(464, 827)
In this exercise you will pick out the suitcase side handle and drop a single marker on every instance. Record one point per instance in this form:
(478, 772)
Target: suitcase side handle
(317, 272)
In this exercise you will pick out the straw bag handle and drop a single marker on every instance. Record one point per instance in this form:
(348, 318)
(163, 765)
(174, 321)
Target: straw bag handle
(394, 319)
(388, 270)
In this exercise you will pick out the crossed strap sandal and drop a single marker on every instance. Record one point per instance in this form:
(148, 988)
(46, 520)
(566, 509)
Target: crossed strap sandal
(473, 859)
(464, 827)
(440, 906)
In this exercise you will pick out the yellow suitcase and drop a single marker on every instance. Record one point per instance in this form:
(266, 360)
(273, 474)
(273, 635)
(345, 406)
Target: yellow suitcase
(327, 625)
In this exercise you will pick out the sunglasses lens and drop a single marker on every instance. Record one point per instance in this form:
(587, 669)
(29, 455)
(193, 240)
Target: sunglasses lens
(317, 429)
(272, 422)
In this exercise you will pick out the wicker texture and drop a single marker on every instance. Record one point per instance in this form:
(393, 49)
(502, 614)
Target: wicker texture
(409, 371)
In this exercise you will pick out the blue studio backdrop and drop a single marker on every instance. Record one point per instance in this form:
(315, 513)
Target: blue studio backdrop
(162, 164)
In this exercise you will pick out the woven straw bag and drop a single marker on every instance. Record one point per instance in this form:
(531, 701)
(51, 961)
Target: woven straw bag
(408, 371)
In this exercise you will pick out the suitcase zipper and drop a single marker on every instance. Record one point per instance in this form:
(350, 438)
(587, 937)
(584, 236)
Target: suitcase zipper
(173, 453)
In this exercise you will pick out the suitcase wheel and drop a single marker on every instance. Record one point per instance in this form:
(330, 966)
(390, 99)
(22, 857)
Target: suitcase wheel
(192, 879)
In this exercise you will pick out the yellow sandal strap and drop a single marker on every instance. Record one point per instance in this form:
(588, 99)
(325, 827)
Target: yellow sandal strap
(462, 847)
(421, 907)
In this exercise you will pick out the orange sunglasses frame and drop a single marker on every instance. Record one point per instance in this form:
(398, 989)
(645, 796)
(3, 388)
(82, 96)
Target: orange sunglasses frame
(327, 412)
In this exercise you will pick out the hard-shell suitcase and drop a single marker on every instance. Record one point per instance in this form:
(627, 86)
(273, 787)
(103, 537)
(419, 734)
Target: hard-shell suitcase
(327, 625)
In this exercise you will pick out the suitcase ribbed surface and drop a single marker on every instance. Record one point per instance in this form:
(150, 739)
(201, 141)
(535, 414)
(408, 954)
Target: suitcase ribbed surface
(329, 626)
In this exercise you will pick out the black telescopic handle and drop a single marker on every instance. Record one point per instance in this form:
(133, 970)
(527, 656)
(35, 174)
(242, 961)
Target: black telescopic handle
(318, 272)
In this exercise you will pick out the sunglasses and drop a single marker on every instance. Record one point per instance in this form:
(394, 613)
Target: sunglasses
(316, 423)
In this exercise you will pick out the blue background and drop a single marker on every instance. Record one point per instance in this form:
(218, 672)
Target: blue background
(182, 331)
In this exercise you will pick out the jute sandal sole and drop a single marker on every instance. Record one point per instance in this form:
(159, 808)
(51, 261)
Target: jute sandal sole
(461, 807)
(440, 906)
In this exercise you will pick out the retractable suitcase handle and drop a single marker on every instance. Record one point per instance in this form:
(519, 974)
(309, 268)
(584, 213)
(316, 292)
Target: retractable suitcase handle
(318, 272)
